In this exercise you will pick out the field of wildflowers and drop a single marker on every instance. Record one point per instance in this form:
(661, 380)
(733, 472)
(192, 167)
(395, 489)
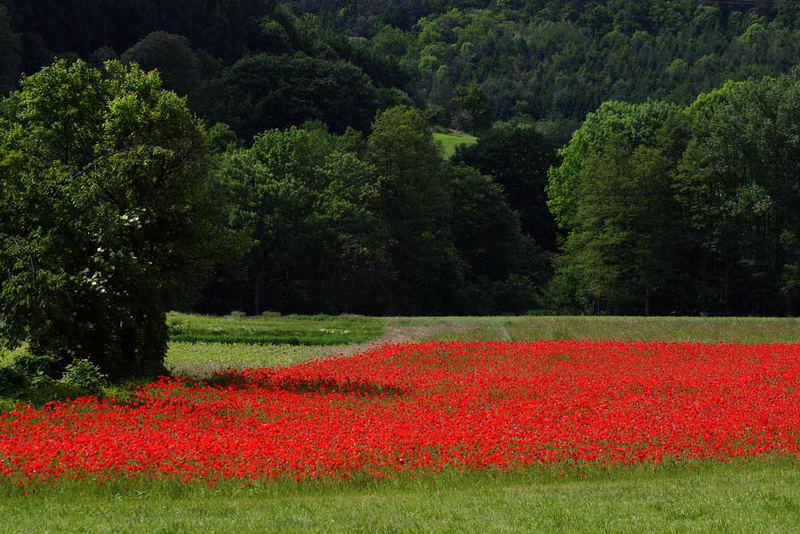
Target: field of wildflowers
(425, 408)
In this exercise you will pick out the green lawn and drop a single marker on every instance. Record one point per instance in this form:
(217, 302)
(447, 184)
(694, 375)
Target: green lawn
(453, 139)
(756, 496)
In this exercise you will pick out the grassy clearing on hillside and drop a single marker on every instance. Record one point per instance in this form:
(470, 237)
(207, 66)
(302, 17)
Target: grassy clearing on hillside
(274, 329)
(452, 139)
(759, 496)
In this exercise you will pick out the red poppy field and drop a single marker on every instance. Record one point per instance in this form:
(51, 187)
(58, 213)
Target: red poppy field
(424, 408)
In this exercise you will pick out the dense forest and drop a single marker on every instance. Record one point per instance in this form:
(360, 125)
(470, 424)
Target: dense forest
(633, 156)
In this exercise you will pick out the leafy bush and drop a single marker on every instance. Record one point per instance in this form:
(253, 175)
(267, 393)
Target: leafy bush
(36, 370)
(28, 371)
(85, 376)
(11, 380)
(40, 379)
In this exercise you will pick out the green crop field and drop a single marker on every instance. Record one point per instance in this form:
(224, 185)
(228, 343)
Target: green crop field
(274, 329)
(750, 496)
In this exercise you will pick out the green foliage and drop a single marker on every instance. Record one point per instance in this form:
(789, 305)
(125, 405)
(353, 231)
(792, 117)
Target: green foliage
(261, 92)
(39, 379)
(517, 294)
(737, 183)
(172, 56)
(310, 208)
(637, 123)
(35, 369)
(415, 202)
(109, 215)
(518, 157)
(718, 177)
(339, 223)
(85, 376)
(472, 111)
(485, 229)
(619, 248)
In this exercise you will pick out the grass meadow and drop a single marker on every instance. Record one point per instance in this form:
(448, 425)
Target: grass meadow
(452, 140)
(742, 496)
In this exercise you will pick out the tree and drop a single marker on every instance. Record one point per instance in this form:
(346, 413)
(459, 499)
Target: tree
(496, 254)
(472, 108)
(309, 205)
(10, 53)
(415, 202)
(108, 217)
(518, 157)
(485, 229)
(172, 56)
(265, 92)
(737, 180)
(638, 123)
(618, 257)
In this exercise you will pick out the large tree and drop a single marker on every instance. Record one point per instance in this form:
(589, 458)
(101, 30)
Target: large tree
(108, 215)
(518, 157)
(738, 181)
(416, 203)
(618, 257)
(263, 92)
(172, 56)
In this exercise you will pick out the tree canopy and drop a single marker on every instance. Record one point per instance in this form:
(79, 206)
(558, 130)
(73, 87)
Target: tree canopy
(108, 215)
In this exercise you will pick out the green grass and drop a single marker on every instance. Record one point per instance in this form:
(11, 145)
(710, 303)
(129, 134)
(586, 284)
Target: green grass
(748, 330)
(194, 359)
(452, 139)
(278, 330)
(754, 497)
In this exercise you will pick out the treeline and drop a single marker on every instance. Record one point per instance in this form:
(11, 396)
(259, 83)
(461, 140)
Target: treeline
(467, 63)
(694, 209)
(319, 119)
(380, 224)
(475, 61)
(249, 63)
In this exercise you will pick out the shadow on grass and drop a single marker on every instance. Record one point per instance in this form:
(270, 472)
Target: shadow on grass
(235, 380)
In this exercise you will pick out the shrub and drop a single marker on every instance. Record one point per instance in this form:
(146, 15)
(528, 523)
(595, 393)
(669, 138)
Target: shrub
(11, 380)
(28, 371)
(36, 369)
(85, 376)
